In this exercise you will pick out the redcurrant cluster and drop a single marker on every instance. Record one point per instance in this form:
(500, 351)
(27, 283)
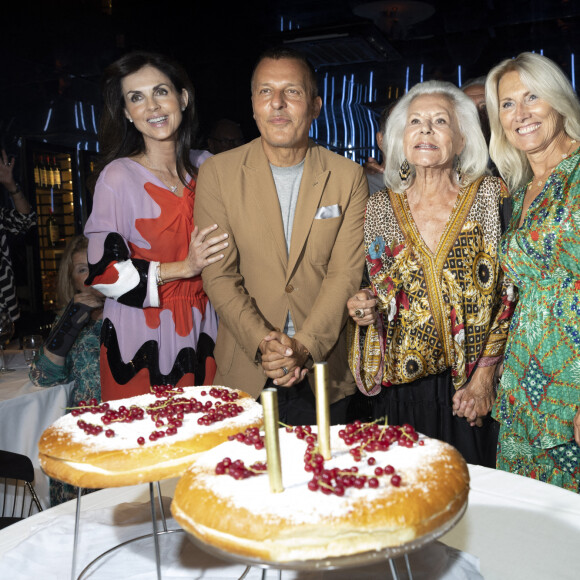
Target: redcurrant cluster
(167, 412)
(370, 437)
(362, 438)
(90, 406)
(89, 428)
(238, 470)
(162, 391)
(251, 436)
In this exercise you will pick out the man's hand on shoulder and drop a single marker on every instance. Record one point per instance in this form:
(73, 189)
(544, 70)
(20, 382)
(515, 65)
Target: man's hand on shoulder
(283, 359)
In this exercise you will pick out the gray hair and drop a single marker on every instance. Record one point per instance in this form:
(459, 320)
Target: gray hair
(474, 156)
(546, 80)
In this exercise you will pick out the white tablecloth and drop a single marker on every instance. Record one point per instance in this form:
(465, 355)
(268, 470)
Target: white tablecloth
(25, 412)
(514, 529)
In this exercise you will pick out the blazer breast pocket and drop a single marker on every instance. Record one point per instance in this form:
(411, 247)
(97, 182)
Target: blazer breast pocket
(322, 237)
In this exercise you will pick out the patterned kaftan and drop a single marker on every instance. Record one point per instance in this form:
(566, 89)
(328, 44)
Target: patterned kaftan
(438, 311)
(151, 335)
(539, 392)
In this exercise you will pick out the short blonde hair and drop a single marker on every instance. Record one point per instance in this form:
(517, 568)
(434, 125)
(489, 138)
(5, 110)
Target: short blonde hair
(474, 156)
(64, 284)
(546, 80)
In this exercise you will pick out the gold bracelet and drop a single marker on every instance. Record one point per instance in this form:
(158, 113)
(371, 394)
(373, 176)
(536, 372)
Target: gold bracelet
(160, 280)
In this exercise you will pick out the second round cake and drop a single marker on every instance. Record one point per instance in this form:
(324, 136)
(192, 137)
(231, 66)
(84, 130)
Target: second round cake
(365, 498)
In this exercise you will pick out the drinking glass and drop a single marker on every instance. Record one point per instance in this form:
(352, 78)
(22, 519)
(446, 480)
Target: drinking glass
(31, 345)
(6, 333)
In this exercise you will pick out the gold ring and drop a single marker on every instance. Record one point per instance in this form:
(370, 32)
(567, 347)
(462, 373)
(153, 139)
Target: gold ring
(359, 313)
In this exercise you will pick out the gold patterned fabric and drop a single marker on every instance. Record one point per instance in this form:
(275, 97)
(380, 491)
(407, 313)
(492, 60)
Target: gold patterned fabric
(437, 310)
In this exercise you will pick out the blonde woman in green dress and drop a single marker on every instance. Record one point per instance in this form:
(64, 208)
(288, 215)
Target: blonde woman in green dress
(535, 134)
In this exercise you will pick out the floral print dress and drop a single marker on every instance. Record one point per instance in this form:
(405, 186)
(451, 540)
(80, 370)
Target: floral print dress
(539, 392)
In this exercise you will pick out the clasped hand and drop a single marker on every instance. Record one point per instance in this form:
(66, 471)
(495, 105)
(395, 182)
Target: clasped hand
(475, 400)
(283, 359)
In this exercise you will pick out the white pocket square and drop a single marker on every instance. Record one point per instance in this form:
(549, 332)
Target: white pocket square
(329, 211)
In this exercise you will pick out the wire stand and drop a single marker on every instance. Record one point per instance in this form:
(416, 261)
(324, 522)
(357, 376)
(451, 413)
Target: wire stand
(155, 533)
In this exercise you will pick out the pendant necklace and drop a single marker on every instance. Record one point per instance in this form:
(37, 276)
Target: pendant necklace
(172, 188)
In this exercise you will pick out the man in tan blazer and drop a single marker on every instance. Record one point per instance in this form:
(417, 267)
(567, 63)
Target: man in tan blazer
(294, 214)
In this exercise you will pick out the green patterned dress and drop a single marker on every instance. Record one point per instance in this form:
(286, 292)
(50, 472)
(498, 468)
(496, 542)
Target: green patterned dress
(539, 392)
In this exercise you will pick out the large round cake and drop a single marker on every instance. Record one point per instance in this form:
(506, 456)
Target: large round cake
(383, 487)
(145, 438)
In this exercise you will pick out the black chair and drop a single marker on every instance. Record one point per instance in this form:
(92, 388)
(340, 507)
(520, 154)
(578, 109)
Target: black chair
(16, 476)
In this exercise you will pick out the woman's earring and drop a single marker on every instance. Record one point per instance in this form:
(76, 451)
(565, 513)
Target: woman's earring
(404, 170)
(130, 120)
(458, 171)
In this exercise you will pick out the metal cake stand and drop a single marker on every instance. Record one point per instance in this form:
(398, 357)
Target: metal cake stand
(155, 534)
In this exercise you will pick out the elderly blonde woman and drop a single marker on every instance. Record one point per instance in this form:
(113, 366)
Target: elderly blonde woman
(535, 123)
(429, 331)
(71, 351)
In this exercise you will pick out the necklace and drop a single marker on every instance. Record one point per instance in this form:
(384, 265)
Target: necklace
(541, 182)
(159, 173)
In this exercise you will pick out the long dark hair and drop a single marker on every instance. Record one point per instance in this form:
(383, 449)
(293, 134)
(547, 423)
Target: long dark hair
(118, 137)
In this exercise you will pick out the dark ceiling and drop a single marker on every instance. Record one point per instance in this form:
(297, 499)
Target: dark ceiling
(56, 50)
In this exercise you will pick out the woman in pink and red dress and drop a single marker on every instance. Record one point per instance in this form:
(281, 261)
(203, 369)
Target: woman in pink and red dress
(145, 253)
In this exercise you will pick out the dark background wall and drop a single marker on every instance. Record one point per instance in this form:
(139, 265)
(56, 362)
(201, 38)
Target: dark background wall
(53, 52)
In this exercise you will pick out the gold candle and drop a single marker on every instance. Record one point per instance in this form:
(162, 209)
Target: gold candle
(322, 408)
(269, 398)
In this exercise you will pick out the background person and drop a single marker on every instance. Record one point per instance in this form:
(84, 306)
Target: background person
(12, 222)
(535, 133)
(475, 90)
(224, 135)
(145, 252)
(429, 331)
(373, 168)
(71, 351)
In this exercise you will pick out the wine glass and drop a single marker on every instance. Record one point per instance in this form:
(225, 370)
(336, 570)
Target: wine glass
(6, 333)
(30, 346)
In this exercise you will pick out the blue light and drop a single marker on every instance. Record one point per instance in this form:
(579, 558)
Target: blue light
(407, 81)
(422, 72)
(344, 89)
(335, 128)
(76, 117)
(82, 115)
(48, 119)
(326, 108)
(573, 71)
(459, 75)
(94, 118)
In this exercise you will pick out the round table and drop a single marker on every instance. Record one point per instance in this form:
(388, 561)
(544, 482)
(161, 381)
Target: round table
(518, 529)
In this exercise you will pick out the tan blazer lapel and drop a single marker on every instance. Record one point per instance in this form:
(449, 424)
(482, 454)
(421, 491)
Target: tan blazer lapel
(260, 186)
(312, 187)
